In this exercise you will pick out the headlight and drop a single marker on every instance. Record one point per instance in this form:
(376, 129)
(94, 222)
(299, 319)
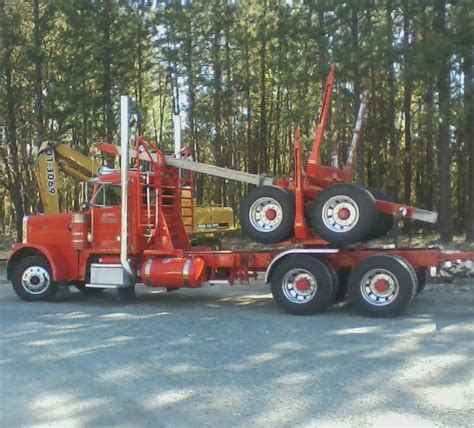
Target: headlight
(25, 229)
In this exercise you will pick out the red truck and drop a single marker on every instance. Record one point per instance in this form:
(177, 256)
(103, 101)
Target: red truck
(133, 231)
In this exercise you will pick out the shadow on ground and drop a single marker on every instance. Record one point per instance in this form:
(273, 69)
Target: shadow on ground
(229, 357)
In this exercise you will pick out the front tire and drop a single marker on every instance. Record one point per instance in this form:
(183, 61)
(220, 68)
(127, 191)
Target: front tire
(343, 214)
(302, 285)
(382, 285)
(267, 214)
(32, 279)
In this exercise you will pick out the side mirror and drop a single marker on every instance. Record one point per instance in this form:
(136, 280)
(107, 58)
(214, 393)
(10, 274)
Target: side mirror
(84, 206)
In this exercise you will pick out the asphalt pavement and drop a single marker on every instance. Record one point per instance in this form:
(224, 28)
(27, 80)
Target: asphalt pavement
(228, 356)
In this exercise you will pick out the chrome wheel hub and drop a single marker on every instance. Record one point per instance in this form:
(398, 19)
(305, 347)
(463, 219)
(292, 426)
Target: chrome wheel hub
(265, 214)
(299, 286)
(35, 279)
(379, 287)
(340, 214)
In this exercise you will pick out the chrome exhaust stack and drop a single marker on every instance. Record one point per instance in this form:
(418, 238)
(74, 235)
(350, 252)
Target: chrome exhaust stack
(124, 142)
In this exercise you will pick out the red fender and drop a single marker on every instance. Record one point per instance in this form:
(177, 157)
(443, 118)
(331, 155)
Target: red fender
(55, 258)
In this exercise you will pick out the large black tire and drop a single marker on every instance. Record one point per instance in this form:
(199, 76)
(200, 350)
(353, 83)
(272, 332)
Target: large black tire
(267, 214)
(382, 285)
(329, 206)
(302, 285)
(32, 279)
(384, 223)
(335, 281)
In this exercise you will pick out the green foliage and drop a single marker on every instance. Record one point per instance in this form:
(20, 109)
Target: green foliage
(250, 71)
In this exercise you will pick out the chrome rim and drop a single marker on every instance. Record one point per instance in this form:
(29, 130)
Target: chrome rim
(340, 214)
(265, 214)
(299, 286)
(35, 280)
(379, 287)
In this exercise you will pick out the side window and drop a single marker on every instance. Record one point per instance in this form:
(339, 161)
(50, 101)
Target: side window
(113, 195)
(97, 198)
(107, 195)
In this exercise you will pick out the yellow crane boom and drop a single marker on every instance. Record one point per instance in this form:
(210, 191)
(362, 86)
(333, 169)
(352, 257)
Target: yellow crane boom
(54, 157)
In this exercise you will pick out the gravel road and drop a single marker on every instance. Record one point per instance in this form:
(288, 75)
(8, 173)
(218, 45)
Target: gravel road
(223, 357)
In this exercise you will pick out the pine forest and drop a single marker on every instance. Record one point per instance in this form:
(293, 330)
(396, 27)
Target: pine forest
(243, 75)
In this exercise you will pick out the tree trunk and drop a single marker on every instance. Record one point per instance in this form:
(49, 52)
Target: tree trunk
(262, 148)
(106, 70)
(217, 96)
(360, 160)
(407, 103)
(445, 225)
(38, 60)
(13, 165)
(468, 69)
(252, 156)
(392, 184)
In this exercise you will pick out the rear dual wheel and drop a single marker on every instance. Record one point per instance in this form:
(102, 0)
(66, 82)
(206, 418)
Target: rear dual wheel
(302, 285)
(382, 285)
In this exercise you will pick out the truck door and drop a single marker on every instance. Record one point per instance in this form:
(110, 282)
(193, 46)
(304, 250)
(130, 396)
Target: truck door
(105, 217)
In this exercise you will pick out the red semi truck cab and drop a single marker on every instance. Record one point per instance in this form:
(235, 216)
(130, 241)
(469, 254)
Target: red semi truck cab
(69, 240)
(82, 247)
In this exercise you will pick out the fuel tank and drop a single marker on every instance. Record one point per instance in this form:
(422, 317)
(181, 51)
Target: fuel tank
(173, 272)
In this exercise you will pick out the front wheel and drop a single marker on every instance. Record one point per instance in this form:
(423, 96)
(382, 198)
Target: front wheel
(302, 285)
(32, 279)
(382, 285)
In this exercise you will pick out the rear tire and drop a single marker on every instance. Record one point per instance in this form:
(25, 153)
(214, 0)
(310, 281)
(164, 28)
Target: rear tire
(343, 214)
(335, 281)
(302, 285)
(267, 214)
(382, 285)
(32, 279)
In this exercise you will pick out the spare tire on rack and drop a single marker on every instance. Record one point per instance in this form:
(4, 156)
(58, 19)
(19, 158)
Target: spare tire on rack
(384, 222)
(343, 214)
(267, 214)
